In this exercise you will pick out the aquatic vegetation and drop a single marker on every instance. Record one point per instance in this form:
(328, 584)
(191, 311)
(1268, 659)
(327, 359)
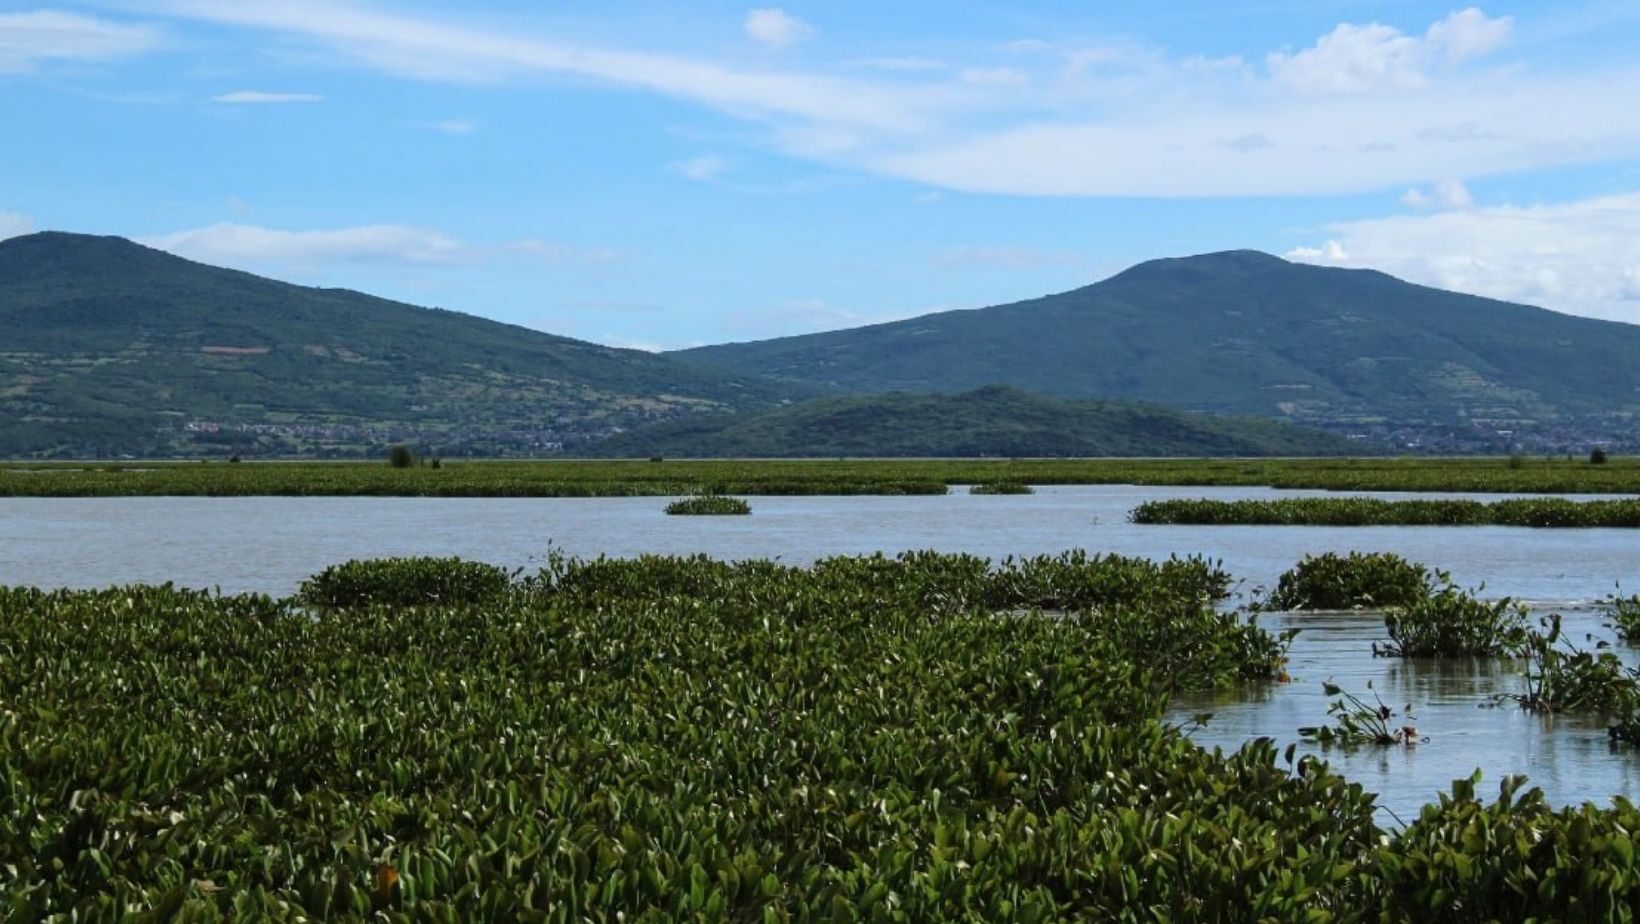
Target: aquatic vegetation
(1513, 859)
(1625, 616)
(1360, 579)
(1563, 678)
(683, 738)
(1356, 721)
(1001, 487)
(709, 505)
(640, 477)
(1368, 511)
(404, 582)
(1450, 623)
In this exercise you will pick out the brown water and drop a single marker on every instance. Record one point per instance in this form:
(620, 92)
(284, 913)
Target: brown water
(270, 544)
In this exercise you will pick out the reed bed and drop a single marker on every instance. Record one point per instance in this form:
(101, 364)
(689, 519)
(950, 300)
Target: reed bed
(1543, 513)
(620, 478)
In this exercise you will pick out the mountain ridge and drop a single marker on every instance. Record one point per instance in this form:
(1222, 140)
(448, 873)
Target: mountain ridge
(995, 421)
(115, 348)
(1244, 332)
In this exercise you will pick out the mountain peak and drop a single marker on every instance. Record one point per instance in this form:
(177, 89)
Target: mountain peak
(1246, 332)
(1205, 266)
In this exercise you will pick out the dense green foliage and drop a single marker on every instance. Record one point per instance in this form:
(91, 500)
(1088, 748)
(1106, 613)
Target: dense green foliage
(112, 348)
(1368, 511)
(1330, 581)
(1242, 333)
(766, 477)
(405, 582)
(1450, 624)
(1001, 487)
(665, 739)
(1513, 859)
(992, 422)
(709, 505)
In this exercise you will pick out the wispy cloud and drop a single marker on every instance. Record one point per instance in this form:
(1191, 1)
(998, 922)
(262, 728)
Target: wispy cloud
(432, 49)
(14, 224)
(251, 246)
(776, 28)
(701, 169)
(1424, 105)
(1581, 257)
(263, 97)
(994, 76)
(1448, 194)
(28, 40)
(454, 126)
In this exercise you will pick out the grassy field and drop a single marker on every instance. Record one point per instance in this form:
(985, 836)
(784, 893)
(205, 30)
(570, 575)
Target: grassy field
(686, 739)
(754, 477)
(1540, 512)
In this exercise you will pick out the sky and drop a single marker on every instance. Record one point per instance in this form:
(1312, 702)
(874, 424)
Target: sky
(661, 175)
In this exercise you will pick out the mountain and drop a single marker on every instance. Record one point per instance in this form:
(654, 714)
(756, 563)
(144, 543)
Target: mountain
(111, 348)
(1245, 333)
(992, 421)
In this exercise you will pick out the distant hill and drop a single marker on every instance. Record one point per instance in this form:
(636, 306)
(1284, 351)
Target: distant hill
(1246, 333)
(993, 421)
(111, 348)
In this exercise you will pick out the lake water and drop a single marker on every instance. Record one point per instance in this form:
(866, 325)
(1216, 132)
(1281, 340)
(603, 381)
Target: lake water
(271, 544)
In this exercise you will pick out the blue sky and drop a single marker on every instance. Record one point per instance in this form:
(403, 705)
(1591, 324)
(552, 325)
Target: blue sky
(628, 173)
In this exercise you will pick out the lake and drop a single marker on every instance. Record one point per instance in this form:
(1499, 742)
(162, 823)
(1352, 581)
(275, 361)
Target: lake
(270, 544)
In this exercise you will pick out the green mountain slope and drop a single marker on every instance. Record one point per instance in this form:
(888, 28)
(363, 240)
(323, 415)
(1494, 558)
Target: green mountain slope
(112, 348)
(1245, 333)
(993, 421)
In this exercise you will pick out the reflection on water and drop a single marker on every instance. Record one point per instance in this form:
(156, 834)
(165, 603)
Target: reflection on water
(271, 544)
(1455, 706)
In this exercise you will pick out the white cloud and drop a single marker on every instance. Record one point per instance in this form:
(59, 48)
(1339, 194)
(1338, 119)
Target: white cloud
(995, 77)
(1316, 146)
(1357, 58)
(28, 39)
(252, 246)
(1469, 34)
(1112, 121)
(701, 169)
(1580, 257)
(776, 28)
(1446, 195)
(262, 97)
(13, 224)
(431, 49)
(1330, 252)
